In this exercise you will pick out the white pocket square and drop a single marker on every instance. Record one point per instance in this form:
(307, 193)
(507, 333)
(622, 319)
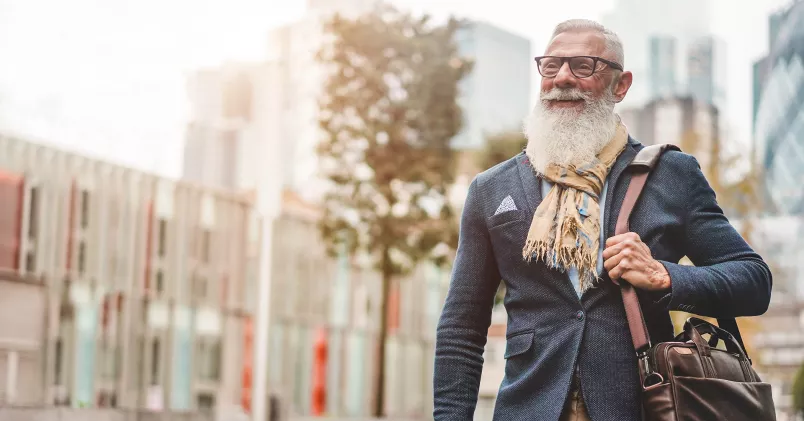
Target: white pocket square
(506, 205)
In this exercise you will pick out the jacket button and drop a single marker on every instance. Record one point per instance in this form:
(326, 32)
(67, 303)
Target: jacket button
(579, 315)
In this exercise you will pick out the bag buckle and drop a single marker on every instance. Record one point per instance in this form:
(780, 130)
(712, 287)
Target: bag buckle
(643, 359)
(651, 378)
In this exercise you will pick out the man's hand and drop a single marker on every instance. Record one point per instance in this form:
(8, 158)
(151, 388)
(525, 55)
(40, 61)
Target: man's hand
(627, 257)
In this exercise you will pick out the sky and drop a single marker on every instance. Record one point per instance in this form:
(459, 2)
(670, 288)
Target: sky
(106, 78)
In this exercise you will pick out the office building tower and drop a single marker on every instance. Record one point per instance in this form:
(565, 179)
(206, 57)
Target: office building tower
(228, 138)
(669, 41)
(779, 111)
(682, 120)
(662, 66)
(706, 72)
(495, 96)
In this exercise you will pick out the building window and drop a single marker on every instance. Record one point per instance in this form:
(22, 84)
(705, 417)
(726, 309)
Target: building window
(111, 362)
(33, 213)
(162, 237)
(30, 262)
(155, 362)
(208, 361)
(206, 237)
(82, 257)
(160, 282)
(84, 208)
(199, 287)
(205, 401)
(59, 351)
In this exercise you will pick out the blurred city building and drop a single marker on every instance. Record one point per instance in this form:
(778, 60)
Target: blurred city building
(330, 306)
(121, 288)
(778, 118)
(320, 304)
(779, 110)
(779, 340)
(679, 120)
(298, 84)
(671, 50)
(222, 140)
(495, 96)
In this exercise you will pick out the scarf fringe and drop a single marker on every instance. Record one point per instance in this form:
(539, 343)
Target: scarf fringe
(565, 229)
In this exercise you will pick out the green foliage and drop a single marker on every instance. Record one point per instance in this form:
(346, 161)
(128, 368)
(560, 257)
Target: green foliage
(388, 113)
(798, 391)
(500, 147)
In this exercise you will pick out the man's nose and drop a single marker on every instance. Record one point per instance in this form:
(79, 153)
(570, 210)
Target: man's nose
(564, 78)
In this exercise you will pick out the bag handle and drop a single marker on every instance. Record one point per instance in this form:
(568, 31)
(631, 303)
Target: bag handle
(641, 167)
(695, 327)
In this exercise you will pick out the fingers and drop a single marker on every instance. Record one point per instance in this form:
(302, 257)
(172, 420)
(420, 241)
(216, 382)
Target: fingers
(623, 253)
(618, 271)
(617, 239)
(616, 255)
(617, 243)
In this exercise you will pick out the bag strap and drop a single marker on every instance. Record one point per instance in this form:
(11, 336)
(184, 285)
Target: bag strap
(641, 167)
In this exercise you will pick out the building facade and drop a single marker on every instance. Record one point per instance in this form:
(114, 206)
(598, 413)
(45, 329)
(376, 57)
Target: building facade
(330, 306)
(227, 140)
(779, 152)
(136, 288)
(779, 110)
(779, 341)
(495, 96)
(670, 49)
(684, 121)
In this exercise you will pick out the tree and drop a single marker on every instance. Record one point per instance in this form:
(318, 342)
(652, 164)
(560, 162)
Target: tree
(388, 114)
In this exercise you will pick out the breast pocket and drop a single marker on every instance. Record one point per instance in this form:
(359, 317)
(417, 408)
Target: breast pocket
(508, 231)
(501, 219)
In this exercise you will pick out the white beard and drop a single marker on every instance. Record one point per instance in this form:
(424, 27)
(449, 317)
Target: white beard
(565, 136)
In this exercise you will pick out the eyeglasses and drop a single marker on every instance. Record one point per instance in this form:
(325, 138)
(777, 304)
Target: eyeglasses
(580, 66)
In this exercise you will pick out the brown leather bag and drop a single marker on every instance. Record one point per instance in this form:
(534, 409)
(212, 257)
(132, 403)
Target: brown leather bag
(689, 379)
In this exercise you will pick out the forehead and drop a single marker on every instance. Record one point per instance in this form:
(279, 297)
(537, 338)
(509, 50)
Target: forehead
(577, 43)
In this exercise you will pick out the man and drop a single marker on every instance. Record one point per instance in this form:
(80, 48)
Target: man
(543, 223)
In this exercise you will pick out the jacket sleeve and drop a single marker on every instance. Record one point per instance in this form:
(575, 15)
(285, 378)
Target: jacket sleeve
(729, 279)
(465, 319)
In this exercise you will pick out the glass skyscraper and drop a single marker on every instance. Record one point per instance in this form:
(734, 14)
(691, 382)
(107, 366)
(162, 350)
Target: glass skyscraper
(779, 111)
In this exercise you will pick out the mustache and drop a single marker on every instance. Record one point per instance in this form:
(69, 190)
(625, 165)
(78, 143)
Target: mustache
(561, 94)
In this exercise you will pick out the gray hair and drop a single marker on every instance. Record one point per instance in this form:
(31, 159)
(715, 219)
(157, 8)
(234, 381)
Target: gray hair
(613, 43)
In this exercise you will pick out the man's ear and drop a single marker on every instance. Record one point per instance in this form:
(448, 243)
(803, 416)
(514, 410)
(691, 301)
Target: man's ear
(622, 85)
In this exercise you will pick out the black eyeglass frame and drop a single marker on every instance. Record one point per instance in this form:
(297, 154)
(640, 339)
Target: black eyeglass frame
(613, 65)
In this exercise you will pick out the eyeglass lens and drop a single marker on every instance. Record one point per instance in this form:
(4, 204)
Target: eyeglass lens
(580, 66)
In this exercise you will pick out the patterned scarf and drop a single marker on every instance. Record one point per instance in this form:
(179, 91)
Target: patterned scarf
(565, 231)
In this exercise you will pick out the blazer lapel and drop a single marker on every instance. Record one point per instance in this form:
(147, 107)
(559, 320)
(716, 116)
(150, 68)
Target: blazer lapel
(530, 183)
(617, 185)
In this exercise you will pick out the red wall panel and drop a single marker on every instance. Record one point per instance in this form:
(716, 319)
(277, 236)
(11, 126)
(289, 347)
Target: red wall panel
(12, 196)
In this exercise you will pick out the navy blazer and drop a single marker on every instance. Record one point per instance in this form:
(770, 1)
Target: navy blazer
(549, 328)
